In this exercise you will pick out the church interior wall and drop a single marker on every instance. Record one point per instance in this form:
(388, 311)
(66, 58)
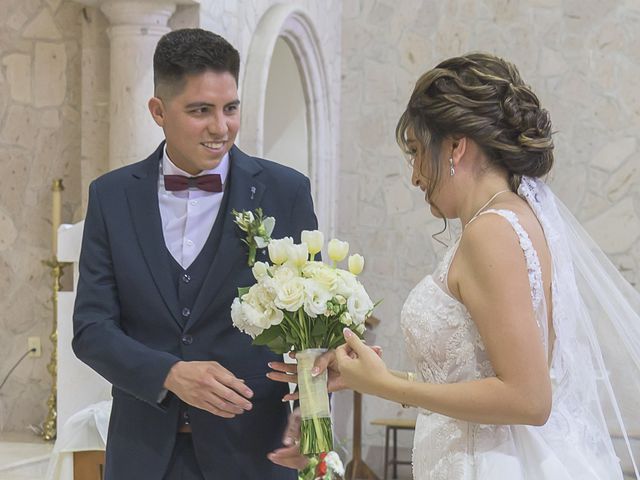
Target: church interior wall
(40, 114)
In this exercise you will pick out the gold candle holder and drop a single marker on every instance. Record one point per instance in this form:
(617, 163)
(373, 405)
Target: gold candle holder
(49, 430)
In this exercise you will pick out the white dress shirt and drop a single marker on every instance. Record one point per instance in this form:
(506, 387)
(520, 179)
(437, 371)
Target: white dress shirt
(188, 215)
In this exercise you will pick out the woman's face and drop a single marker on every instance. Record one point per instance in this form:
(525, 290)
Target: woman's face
(422, 170)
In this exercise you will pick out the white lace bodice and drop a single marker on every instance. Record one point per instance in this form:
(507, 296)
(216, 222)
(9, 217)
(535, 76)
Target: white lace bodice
(439, 332)
(446, 347)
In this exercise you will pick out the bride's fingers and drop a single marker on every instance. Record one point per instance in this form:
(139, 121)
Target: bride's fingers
(283, 367)
(282, 377)
(377, 349)
(343, 354)
(323, 362)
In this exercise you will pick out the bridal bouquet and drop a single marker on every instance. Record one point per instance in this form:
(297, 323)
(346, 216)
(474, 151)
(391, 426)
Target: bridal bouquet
(301, 304)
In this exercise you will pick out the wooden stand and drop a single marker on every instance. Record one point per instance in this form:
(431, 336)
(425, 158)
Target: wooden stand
(88, 465)
(356, 468)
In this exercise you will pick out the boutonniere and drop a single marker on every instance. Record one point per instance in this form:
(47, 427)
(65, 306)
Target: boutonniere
(258, 229)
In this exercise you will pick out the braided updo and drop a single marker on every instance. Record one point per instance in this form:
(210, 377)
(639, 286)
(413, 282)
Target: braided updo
(482, 97)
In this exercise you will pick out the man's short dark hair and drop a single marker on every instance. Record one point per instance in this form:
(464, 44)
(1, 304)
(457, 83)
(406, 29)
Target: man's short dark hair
(190, 51)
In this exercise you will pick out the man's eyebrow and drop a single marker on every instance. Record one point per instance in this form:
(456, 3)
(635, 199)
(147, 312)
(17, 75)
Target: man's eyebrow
(206, 104)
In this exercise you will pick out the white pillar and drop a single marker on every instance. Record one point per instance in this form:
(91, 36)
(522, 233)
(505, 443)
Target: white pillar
(136, 27)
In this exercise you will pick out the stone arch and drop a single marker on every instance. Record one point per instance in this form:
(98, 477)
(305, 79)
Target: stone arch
(294, 26)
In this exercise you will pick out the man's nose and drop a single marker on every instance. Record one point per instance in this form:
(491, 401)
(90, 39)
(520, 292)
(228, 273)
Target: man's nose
(218, 125)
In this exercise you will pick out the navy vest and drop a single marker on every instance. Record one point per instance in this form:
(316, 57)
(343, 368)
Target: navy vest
(189, 281)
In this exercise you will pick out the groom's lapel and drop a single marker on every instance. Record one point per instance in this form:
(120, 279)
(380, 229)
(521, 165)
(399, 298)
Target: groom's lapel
(142, 196)
(245, 192)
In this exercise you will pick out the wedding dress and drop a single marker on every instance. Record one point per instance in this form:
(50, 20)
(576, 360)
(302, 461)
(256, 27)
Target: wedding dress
(444, 343)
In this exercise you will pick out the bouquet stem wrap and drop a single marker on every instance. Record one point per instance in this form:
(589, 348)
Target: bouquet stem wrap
(315, 435)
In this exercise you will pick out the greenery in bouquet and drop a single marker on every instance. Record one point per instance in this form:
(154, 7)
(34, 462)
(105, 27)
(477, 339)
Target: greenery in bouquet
(301, 304)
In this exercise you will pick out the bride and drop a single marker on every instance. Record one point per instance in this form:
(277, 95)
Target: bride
(511, 382)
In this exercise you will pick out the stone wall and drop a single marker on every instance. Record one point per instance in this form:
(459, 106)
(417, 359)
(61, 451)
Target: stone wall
(39, 141)
(583, 59)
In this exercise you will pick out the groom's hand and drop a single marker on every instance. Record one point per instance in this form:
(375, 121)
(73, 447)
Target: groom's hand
(209, 386)
(290, 456)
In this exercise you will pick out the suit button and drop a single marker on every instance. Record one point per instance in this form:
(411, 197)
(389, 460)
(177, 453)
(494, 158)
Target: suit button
(186, 312)
(186, 278)
(187, 339)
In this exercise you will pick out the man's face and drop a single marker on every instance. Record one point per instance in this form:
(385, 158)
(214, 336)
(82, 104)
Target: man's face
(201, 121)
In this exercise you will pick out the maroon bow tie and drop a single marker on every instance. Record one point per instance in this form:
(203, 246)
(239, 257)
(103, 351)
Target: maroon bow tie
(208, 183)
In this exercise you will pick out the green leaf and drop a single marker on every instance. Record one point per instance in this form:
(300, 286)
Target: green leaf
(268, 336)
(277, 346)
(261, 242)
(243, 291)
(320, 328)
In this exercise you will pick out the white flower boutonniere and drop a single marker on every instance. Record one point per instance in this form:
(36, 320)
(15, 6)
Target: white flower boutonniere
(258, 229)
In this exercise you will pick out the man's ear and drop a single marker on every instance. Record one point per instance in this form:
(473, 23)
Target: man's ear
(156, 107)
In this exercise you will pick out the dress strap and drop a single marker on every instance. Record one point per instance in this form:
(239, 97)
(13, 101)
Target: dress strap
(533, 262)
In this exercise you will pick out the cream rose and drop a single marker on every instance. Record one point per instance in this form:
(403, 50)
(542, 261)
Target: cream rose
(290, 294)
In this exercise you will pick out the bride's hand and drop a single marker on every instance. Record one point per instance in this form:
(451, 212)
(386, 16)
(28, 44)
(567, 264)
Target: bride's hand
(287, 372)
(360, 366)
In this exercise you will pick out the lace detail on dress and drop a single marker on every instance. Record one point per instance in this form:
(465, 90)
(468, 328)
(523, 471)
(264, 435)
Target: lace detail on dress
(533, 262)
(443, 268)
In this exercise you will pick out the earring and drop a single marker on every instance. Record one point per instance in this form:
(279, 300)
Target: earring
(452, 171)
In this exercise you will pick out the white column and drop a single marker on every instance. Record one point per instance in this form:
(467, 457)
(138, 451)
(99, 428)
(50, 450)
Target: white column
(136, 27)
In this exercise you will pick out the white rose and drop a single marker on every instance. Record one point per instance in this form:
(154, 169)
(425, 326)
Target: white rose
(273, 315)
(360, 328)
(255, 317)
(337, 250)
(316, 298)
(258, 296)
(259, 270)
(314, 240)
(322, 274)
(237, 315)
(297, 255)
(356, 264)
(346, 284)
(284, 273)
(278, 250)
(242, 321)
(290, 294)
(359, 304)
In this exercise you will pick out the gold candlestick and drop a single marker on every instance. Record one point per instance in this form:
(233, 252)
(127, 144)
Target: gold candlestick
(57, 270)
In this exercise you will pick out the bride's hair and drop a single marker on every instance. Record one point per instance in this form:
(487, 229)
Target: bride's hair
(482, 97)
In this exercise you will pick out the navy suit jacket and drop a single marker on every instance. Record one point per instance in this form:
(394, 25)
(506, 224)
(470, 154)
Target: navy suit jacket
(127, 323)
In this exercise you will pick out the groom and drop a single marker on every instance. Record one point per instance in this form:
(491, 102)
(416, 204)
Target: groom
(160, 265)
